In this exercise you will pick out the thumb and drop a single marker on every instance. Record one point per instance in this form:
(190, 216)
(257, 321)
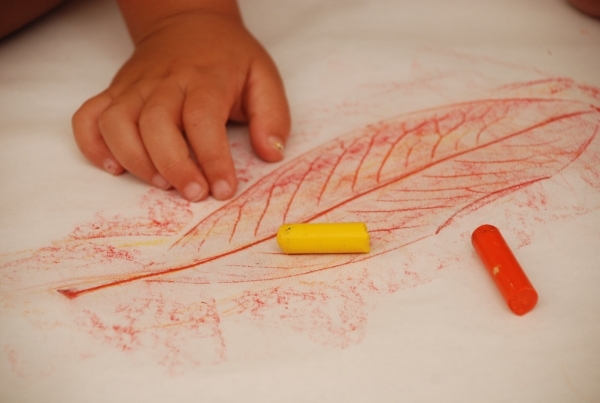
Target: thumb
(267, 110)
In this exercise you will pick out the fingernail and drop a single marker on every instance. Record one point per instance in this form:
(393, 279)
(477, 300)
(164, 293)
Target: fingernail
(276, 143)
(194, 192)
(160, 182)
(110, 166)
(221, 189)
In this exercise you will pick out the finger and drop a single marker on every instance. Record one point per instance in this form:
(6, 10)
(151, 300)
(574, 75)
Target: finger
(267, 110)
(160, 128)
(118, 126)
(88, 136)
(205, 115)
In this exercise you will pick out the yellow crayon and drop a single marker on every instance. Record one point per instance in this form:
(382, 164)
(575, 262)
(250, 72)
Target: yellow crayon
(351, 237)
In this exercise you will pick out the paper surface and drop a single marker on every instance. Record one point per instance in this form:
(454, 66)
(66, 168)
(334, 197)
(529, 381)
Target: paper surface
(422, 120)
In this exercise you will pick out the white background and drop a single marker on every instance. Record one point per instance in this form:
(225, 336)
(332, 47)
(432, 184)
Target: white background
(449, 338)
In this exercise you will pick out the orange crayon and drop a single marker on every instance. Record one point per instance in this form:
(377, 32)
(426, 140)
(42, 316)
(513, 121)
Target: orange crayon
(506, 272)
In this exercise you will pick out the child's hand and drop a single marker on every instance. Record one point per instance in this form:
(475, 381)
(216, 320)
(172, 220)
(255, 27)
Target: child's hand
(163, 116)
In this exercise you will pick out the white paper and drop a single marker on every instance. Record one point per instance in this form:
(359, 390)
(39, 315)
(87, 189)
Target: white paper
(416, 320)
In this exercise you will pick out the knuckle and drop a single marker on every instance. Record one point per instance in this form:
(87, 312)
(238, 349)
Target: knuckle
(171, 166)
(109, 116)
(192, 120)
(214, 159)
(82, 116)
(172, 170)
(137, 163)
(152, 114)
(203, 117)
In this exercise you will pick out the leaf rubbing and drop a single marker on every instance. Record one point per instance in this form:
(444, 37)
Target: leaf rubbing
(406, 177)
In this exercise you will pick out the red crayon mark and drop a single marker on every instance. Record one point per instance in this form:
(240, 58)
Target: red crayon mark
(333, 313)
(69, 293)
(163, 213)
(159, 323)
(505, 270)
(408, 177)
(458, 154)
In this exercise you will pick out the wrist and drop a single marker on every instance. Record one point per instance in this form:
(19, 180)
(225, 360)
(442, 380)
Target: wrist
(143, 17)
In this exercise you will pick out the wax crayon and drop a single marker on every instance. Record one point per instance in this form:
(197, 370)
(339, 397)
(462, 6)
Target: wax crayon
(505, 270)
(324, 238)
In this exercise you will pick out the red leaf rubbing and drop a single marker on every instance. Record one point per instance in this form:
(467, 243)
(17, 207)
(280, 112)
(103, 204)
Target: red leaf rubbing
(155, 323)
(406, 177)
(161, 216)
